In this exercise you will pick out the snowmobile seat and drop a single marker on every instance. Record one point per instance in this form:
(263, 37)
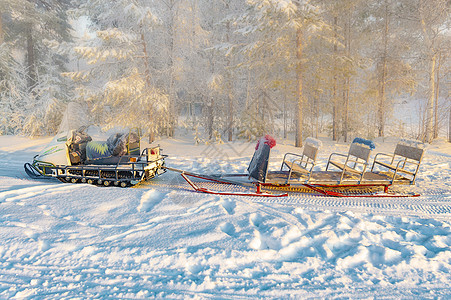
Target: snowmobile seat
(76, 145)
(111, 151)
(356, 161)
(405, 160)
(302, 164)
(97, 152)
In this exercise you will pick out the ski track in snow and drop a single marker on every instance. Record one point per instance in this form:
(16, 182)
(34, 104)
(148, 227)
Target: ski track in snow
(163, 240)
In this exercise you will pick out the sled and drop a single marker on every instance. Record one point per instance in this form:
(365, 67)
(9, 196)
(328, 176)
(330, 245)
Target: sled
(260, 182)
(74, 156)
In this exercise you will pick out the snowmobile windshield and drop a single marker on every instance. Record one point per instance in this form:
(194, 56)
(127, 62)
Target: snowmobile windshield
(75, 117)
(99, 134)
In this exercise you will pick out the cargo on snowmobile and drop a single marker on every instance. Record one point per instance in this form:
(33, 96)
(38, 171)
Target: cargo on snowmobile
(75, 156)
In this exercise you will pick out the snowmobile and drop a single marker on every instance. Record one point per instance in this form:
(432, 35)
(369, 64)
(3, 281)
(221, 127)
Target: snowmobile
(74, 156)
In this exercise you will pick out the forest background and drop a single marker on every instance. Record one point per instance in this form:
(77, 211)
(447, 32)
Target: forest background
(229, 69)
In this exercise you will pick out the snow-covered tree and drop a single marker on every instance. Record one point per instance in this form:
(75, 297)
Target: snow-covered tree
(28, 30)
(434, 22)
(278, 32)
(391, 73)
(13, 87)
(182, 40)
(119, 84)
(252, 67)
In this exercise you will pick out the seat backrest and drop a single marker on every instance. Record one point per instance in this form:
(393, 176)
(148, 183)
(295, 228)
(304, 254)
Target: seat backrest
(361, 148)
(97, 150)
(311, 148)
(133, 144)
(258, 167)
(410, 149)
(360, 151)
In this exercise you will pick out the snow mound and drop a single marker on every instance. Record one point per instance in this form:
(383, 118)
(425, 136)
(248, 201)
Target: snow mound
(149, 200)
(412, 143)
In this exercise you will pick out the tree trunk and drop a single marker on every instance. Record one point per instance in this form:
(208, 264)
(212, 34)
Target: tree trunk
(172, 93)
(300, 96)
(285, 123)
(437, 86)
(346, 109)
(316, 114)
(382, 83)
(151, 137)
(147, 76)
(335, 114)
(230, 117)
(449, 126)
(430, 103)
(146, 62)
(210, 102)
(2, 35)
(430, 41)
(230, 105)
(347, 82)
(31, 60)
(210, 118)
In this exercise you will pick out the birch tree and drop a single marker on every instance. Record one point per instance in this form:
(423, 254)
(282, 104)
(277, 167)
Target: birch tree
(223, 77)
(430, 19)
(389, 52)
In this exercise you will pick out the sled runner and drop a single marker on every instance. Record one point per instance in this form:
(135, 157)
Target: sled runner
(73, 156)
(352, 179)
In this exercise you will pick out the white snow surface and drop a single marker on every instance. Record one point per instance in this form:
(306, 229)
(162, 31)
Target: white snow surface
(80, 241)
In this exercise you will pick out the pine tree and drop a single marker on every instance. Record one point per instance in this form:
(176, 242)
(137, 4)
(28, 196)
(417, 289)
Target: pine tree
(29, 28)
(119, 85)
(13, 92)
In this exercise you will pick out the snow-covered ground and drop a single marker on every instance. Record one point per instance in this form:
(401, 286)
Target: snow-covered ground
(162, 240)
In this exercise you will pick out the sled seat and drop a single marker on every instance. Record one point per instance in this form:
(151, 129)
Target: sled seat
(355, 162)
(303, 163)
(405, 160)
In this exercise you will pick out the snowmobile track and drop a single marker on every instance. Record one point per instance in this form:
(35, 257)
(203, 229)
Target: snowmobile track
(398, 206)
